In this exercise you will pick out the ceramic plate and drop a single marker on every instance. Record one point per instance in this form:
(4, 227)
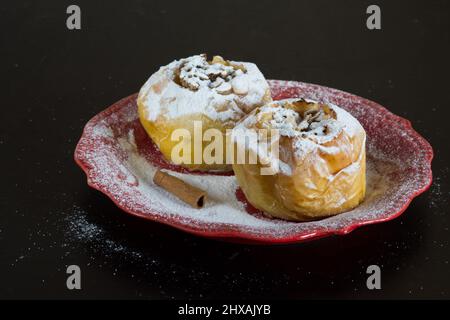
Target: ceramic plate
(119, 160)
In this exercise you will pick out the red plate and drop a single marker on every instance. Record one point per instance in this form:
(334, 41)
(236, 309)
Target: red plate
(118, 157)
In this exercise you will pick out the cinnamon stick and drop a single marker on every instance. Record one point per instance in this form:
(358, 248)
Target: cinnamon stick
(193, 196)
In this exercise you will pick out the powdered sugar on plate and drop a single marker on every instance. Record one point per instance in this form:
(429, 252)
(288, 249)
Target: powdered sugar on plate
(221, 190)
(120, 161)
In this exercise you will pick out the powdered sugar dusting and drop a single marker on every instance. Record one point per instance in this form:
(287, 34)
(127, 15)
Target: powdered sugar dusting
(309, 130)
(223, 93)
(197, 72)
(119, 160)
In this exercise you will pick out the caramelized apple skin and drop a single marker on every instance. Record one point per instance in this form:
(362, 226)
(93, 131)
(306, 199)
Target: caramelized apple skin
(326, 180)
(304, 195)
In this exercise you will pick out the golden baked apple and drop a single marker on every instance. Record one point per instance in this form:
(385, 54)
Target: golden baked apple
(319, 169)
(190, 96)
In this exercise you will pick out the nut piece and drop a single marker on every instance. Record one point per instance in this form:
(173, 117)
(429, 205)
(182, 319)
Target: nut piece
(216, 83)
(219, 59)
(240, 85)
(224, 88)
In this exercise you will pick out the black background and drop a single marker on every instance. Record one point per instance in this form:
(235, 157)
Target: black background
(54, 80)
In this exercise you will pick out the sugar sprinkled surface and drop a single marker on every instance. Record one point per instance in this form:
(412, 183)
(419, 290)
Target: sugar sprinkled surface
(235, 95)
(222, 205)
(308, 134)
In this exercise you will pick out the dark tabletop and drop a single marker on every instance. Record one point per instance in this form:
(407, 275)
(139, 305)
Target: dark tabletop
(54, 80)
